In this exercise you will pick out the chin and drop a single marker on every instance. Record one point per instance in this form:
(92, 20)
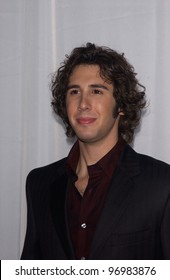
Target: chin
(86, 139)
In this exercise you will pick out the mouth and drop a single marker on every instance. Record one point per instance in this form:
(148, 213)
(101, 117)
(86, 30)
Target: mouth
(86, 120)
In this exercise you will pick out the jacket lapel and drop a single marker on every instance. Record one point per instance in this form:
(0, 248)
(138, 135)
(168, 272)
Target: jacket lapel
(58, 192)
(117, 199)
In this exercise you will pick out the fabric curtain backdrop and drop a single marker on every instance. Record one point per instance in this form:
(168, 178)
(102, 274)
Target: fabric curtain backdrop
(35, 35)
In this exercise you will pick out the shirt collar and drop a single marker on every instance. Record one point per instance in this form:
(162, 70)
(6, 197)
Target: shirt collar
(106, 163)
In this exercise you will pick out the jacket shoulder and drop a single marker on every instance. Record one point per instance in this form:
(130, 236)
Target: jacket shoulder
(145, 160)
(145, 165)
(45, 175)
(153, 163)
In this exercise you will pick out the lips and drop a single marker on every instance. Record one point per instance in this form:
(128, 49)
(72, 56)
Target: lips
(85, 120)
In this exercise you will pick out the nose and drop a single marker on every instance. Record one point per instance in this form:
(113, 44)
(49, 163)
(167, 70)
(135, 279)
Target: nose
(84, 102)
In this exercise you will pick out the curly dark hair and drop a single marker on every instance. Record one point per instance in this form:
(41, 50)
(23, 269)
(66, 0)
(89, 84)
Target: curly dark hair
(114, 68)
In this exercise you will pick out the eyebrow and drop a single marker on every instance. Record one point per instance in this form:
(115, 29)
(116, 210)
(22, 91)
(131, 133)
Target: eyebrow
(92, 86)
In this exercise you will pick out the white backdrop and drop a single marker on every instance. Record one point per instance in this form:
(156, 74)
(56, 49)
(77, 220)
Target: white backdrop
(35, 35)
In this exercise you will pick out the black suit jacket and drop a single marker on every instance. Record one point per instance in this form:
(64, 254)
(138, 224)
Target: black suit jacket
(135, 221)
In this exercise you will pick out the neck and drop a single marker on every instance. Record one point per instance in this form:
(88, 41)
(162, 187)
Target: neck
(90, 153)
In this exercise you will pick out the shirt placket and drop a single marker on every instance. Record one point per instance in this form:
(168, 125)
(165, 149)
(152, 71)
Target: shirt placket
(83, 225)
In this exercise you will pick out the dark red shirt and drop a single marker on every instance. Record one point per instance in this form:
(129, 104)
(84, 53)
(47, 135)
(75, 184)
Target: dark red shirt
(84, 212)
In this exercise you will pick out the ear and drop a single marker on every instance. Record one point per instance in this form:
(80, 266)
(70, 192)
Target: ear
(120, 112)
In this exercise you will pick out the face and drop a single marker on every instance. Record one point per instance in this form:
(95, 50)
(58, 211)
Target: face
(90, 106)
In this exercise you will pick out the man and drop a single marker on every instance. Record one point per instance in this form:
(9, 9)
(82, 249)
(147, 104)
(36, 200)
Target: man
(104, 201)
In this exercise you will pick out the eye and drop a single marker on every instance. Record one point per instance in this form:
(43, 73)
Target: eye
(73, 91)
(97, 91)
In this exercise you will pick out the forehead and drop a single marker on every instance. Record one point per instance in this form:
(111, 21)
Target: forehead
(86, 72)
(83, 68)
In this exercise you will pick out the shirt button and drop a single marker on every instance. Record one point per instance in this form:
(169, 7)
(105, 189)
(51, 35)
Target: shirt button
(83, 225)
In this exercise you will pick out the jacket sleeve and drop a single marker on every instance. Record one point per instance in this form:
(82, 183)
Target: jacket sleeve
(31, 248)
(165, 231)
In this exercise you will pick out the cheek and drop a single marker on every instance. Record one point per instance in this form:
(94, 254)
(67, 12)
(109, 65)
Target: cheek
(70, 109)
(68, 105)
(107, 109)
